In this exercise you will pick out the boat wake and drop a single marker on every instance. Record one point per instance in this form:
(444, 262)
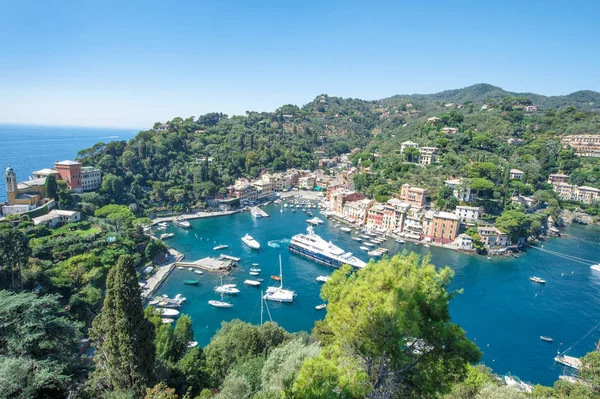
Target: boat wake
(273, 244)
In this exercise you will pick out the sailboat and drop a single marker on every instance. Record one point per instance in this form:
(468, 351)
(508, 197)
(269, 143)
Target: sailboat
(221, 303)
(279, 294)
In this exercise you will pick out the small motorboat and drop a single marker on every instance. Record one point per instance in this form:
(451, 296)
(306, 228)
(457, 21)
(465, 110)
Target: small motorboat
(166, 320)
(227, 290)
(400, 241)
(321, 306)
(357, 239)
(191, 269)
(547, 339)
(252, 283)
(254, 273)
(374, 253)
(192, 344)
(323, 279)
(168, 312)
(537, 280)
(346, 229)
(426, 245)
(181, 222)
(276, 278)
(191, 282)
(595, 267)
(198, 271)
(255, 269)
(219, 247)
(180, 268)
(365, 248)
(166, 236)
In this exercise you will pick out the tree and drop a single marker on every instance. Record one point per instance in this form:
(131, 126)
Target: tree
(160, 391)
(37, 342)
(237, 341)
(392, 317)
(14, 254)
(50, 186)
(124, 338)
(182, 336)
(513, 223)
(481, 185)
(412, 154)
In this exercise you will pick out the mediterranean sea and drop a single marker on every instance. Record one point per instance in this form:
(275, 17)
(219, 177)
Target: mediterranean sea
(500, 308)
(28, 148)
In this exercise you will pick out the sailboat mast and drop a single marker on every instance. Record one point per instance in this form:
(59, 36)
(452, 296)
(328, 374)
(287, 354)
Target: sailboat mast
(280, 273)
(261, 307)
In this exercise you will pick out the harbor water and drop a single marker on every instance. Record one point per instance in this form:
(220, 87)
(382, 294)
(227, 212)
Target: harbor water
(500, 308)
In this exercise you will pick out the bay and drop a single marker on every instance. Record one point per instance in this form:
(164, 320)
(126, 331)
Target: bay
(28, 148)
(500, 309)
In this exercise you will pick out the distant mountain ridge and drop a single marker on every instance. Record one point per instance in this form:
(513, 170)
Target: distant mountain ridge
(587, 100)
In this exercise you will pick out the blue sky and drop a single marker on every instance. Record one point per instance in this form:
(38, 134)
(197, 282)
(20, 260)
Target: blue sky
(129, 64)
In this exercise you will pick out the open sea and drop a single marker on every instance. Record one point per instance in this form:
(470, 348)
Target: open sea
(500, 309)
(28, 148)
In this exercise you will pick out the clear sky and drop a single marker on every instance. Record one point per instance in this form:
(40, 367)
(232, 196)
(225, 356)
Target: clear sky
(129, 63)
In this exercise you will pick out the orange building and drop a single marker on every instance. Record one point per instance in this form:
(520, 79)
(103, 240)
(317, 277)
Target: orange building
(441, 227)
(70, 172)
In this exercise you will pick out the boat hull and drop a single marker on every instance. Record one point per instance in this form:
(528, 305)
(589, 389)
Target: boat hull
(319, 258)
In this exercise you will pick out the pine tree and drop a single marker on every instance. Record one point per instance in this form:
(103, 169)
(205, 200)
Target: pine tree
(50, 186)
(125, 350)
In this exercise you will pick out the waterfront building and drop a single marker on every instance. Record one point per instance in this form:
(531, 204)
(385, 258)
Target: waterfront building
(460, 189)
(415, 196)
(356, 211)
(467, 214)
(440, 227)
(339, 198)
(516, 174)
(375, 216)
(70, 172)
(492, 237)
(243, 190)
(585, 145)
(428, 155)
(306, 182)
(56, 216)
(463, 242)
(264, 187)
(400, 210)
(557, 178)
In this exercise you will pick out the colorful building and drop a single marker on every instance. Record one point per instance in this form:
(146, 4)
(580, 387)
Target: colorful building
(70, 172)
(415, 196)
(440, 227)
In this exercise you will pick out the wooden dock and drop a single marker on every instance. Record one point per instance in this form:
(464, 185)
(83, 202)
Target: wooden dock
(209, 264)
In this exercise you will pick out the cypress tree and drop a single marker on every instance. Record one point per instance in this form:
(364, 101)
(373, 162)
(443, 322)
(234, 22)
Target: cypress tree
(50, 186)
(125, 350)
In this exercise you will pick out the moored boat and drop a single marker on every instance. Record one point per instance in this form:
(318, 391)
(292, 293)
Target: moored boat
(279, 294)
(221, 246)
(252, 283)
(323, 279)
(321, 306)
(547, 339)
(181, 222)
(191, 282)
(314, 247)
(166, 236)
(595, 267)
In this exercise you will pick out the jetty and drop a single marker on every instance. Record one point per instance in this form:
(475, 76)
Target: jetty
(259, 212)
(229, 257)
(209, 264)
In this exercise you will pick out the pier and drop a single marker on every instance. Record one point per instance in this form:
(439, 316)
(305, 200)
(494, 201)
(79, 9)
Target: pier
(229, 257)
(209, 264)
(260, 212)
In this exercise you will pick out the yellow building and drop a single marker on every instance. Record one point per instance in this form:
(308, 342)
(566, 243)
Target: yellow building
(29, 192)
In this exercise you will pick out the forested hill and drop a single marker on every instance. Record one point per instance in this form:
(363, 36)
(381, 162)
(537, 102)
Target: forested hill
(182, 162)
(586, 100)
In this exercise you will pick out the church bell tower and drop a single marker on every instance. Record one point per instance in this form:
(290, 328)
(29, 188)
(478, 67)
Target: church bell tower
(10, 181)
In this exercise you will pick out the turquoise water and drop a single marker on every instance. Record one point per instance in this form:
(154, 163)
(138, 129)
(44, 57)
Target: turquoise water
(28, 148)
(501, 310)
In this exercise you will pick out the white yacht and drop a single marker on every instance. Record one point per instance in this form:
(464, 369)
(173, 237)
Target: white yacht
(595, 267)
(251, 242)
(279, 294)
(315, 221)
(323, 279)
(252, 283)
(314, 247)
(181, 222)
